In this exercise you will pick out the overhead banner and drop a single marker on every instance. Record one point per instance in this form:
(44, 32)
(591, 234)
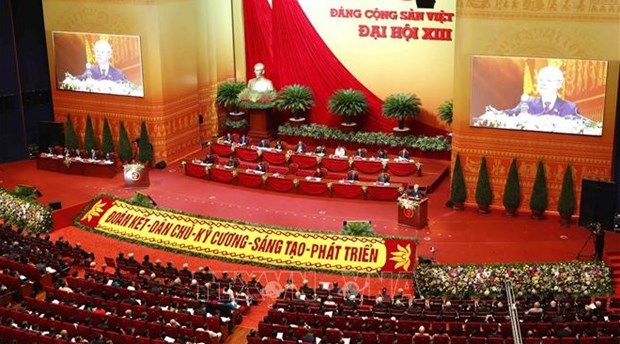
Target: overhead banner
(246, 243)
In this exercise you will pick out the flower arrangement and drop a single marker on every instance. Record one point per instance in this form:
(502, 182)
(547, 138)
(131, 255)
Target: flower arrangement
(407, 203)
(467, 281)
(24, 212)
(549, 123)
(251, 99)
(126, 88)
(322, 132)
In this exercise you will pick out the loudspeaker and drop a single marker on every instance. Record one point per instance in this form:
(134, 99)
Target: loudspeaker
(425, 3)
(598, 203)
(55, 205)
(51, 134)
(160, 165)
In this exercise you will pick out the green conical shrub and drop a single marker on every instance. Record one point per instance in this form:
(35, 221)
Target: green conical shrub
(90, 141)
(484, 194)
(107, 143)
(145, 154)
(538, 200)
(71, 140)
(566, 203)
(458, 192)
(124, 146)
(512, 190)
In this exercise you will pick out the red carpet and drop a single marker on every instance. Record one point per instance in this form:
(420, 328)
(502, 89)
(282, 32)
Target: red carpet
(459, 237)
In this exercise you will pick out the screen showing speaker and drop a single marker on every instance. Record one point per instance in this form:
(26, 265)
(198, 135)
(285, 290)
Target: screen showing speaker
(98, 63)
(538, 94)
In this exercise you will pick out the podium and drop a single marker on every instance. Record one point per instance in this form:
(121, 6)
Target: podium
(136, 175)
(412, 212)
(262, 124)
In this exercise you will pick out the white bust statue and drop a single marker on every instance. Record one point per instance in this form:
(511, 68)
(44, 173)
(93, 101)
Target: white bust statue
(260, 83)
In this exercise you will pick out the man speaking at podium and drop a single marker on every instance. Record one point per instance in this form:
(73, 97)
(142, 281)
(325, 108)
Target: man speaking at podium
(415, 192)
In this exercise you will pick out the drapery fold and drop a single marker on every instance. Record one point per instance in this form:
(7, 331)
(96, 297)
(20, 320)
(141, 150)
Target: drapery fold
(284, 39)
(301, 56)
(258, 24)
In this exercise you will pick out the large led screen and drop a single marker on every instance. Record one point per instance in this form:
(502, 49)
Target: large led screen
(98, 63)
(538, 94)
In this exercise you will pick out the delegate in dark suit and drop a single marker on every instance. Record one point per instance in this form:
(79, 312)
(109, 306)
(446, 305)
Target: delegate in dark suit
(99, 73)
(383, 178)
(535, 106)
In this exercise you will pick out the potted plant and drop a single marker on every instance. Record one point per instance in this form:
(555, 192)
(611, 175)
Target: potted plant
(445, 112)
(239, 127)
(90, 141)
(512, 190)
(107, 144)
(71, 140)
(484, 194)
(348, 103)
(566, 202)
(458, 192)
(124, 146)
(145, 153)
(228, 97)
(401, 106)
(297, 99)
(358, 228)
(538, 199)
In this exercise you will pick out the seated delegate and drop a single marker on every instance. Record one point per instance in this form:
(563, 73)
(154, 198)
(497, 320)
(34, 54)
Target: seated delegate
(244, 140)
(318, 173)
(232, 163)
(279, 145)
(353, 175)
(383, 178)
(263, 143)
(300, 147)
(340, 152)
(382, 154)
(360, 153)
(320, 150)
(404, 154)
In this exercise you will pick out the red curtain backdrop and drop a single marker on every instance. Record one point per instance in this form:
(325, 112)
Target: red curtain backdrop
(257, 20)
(302, 57)
(293, 52)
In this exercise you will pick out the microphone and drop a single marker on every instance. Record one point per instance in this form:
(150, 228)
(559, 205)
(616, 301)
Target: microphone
(89, 72)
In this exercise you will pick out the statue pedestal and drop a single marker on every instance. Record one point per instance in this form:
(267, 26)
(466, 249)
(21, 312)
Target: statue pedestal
(262, 124)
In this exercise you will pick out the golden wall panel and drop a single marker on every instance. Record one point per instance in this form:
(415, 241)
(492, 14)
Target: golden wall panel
(185, 43)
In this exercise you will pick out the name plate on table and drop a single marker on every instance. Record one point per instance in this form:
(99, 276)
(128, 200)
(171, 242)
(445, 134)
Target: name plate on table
(136, 175)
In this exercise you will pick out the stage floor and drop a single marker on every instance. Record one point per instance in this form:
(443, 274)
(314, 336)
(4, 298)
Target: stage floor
(459, 237)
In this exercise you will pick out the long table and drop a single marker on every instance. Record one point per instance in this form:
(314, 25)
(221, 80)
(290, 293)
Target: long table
(286, 183)
(398, 167)
(76, 166)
